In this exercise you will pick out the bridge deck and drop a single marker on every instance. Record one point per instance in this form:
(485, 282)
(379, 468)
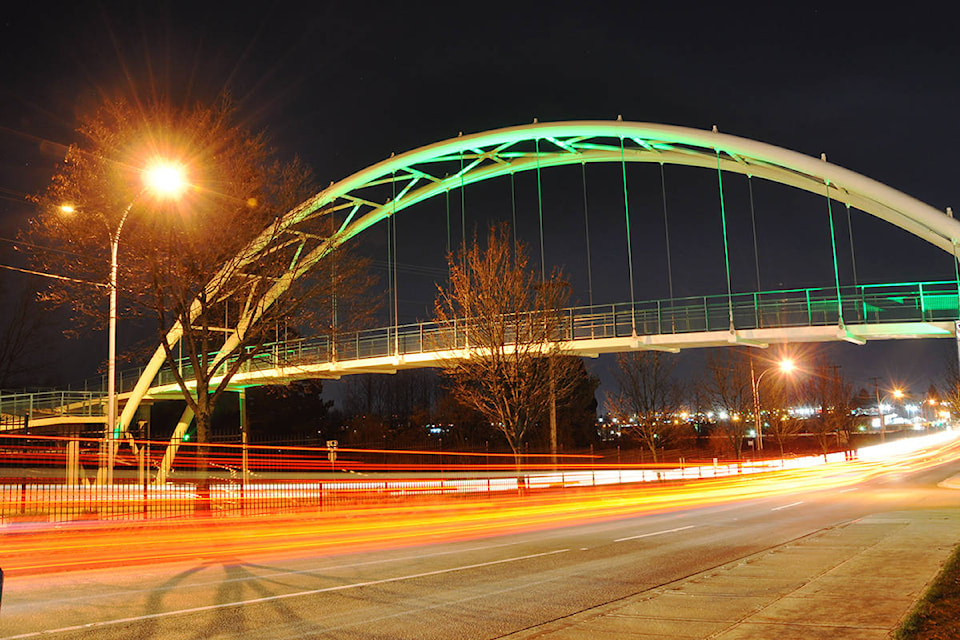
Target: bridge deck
(865, 312)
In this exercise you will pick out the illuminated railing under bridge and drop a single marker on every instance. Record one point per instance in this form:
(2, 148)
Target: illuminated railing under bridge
(865, 312)
(75, 406)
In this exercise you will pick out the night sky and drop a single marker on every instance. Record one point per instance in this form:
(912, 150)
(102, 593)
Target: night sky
(345, 84)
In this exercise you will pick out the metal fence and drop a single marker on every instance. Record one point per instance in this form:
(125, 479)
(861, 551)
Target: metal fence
(53, 479)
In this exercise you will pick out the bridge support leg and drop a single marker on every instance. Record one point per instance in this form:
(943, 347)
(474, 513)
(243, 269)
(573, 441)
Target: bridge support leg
(73, 463)
(553, 418)
(165, 465)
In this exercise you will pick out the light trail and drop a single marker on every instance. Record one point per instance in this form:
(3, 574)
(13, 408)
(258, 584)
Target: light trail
(44, 548)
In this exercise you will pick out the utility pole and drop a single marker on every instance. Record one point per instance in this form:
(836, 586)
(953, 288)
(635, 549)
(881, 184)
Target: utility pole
(755, 388)
(876, 391)
(836, 393)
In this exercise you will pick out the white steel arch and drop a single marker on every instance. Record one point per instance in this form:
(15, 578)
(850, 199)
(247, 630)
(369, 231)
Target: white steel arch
(452, 164)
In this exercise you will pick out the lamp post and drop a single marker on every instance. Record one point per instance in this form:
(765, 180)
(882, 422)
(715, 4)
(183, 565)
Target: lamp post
(896, 393)
(166, 180)
(784, 366)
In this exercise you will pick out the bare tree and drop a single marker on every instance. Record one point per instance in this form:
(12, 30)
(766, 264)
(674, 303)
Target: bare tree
(950, 394)
(728, 391)
(510, 320)
(777, 395)
(827, 389)
(188, 262)
(21, 338)
(647, 397)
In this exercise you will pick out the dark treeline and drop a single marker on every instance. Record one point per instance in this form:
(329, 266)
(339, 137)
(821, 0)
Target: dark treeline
(408, 410)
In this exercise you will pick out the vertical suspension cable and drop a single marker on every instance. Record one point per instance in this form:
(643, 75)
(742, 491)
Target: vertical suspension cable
(626, 213)
(389, 272)
(447, 194)
(726, 247)
(853, 255)
(753, 222)
(833, 246)
(334, 310)
(586, 226)
(666, 229)
(463, 206)
(543, 259)
(513, 209)
(861, 309)
(396, 306)
(956, 273)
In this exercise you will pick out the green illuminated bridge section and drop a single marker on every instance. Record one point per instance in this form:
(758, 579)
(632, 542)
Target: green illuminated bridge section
(867, 312)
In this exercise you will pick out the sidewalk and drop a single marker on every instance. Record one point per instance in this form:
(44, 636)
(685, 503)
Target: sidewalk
(853, 582)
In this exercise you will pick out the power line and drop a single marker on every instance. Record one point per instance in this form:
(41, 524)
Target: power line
(54, 276)
(39, 247)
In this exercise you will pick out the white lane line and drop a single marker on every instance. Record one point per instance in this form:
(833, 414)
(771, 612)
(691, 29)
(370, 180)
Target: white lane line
(787, 506)
(282, 596)
(655, 533)
(848, 490)
(321, 571)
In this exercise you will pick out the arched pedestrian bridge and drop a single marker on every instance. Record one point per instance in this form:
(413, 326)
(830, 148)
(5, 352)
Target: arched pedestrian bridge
(839, 311)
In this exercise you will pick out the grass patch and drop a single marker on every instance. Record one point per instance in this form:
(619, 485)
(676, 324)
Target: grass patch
(937, 615)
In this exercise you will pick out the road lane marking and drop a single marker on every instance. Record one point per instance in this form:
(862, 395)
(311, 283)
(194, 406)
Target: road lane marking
(787, 506)
(282, 596)
(655, 533)
(848, 490)
(320, 571)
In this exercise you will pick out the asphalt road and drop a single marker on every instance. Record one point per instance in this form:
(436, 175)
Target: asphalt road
(480, 588)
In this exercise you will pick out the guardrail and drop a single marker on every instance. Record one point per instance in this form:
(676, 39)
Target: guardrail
(935, 301)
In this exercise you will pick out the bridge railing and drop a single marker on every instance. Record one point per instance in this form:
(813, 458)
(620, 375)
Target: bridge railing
(869, 304)
(862, 304)
(47, 404)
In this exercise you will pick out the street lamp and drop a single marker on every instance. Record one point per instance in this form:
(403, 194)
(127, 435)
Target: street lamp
(896, 393)
(165, 180)
(784, 366)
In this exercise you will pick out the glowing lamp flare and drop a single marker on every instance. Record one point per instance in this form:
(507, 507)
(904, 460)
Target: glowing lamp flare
(165, 179)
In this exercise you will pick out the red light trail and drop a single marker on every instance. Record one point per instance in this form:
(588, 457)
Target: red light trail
(42, 548)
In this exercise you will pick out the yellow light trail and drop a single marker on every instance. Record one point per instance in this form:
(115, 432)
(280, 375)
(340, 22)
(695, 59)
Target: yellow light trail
(35, 549)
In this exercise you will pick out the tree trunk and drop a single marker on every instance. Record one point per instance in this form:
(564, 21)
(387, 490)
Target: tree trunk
(653, 449)
(202, 418)
(518, 465)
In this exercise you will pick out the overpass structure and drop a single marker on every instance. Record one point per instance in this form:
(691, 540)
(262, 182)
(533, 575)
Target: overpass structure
(876, 312)
(854, 313)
